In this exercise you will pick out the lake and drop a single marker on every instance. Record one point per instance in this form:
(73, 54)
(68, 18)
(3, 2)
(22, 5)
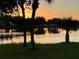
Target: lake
(45, 38)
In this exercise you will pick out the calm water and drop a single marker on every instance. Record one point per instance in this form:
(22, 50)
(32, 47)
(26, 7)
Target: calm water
(46, 38)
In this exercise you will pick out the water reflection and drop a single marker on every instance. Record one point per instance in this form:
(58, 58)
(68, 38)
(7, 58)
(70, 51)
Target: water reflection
(39, 31)
(45, 38)
(4, 36)
(10, 37)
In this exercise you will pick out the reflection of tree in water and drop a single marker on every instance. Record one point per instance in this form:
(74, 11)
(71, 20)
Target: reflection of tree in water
(40, 25)
(52, 25)
(10, 36)
(68, 24)
(5, 24)
(6, 37)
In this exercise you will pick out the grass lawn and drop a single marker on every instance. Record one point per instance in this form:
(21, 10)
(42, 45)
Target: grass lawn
(44, 51)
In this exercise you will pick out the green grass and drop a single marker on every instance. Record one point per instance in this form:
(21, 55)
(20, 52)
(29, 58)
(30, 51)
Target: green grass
(47, 51)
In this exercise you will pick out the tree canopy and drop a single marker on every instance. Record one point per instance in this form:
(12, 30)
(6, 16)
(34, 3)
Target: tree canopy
(6, 6)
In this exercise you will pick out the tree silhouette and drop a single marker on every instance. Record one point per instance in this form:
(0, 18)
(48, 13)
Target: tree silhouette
(8, 6)
(21, 4)
(34, 8)
(7, 25)
(40, 25)
(52, 25)
(68, 24)
(40, 21)
(5, 22)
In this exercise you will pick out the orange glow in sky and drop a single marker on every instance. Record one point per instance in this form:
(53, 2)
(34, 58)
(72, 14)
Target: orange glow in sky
(57, 9)
(27, 13)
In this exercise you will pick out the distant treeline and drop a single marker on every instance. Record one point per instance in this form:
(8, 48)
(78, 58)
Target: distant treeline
(8, 22)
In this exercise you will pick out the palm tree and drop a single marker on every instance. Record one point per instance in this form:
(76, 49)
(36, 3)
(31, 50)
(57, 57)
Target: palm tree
(34, 8)
(21, 3)
(35, 5)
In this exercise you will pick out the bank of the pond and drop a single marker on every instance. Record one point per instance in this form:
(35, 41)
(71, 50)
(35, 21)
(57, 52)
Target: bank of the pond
(44, 51)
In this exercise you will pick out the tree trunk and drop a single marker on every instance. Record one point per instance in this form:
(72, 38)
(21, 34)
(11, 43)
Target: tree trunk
(67, 36)
(23, 14)
(33, 13)
(34, 7)
(32, 33)
(24, 39)
(32, 40)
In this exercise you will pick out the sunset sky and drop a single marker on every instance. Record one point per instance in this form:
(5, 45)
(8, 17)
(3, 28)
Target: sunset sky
(59, 8)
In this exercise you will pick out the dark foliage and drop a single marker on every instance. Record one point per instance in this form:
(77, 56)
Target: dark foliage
(7, 6)
(67, 24)
(49, 1)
